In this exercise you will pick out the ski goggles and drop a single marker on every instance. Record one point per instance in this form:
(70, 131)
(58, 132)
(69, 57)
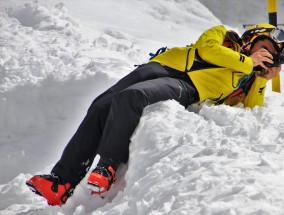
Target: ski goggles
(276, 34)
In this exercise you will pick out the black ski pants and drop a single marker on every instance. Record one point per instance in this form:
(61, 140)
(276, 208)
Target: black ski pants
(114, 115)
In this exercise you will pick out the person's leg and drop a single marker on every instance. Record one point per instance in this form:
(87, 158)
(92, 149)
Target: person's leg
(143, 72)
(127, 107)
(125, 112)
(79, 153)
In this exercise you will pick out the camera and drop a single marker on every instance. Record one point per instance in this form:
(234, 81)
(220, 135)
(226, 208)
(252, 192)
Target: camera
(277, 59)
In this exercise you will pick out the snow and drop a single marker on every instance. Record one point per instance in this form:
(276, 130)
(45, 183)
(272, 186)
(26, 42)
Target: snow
(56, 57)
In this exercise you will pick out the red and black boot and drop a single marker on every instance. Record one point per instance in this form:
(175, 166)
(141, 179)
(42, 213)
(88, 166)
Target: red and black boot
(51, 187)
(102, 177)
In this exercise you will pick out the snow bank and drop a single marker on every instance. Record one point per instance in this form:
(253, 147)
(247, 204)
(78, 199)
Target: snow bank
(220, 160)
(38, 42)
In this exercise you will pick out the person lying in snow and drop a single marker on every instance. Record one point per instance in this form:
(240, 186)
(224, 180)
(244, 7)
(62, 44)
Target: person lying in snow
(220, 66)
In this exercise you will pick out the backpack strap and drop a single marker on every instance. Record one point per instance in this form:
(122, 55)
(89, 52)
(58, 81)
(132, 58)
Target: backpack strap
(199, 63)
(243, 87)
(158, 52)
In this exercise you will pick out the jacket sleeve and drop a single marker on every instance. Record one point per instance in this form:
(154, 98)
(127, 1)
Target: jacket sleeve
(210, 48)
(255, 96)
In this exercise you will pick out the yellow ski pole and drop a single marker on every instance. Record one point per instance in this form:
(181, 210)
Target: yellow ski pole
(272, 14)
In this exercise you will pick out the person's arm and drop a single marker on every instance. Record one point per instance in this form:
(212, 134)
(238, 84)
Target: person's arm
(255, 96)
(211, 50)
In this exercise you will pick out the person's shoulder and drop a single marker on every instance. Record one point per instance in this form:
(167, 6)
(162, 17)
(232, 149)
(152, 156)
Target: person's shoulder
(219, 27)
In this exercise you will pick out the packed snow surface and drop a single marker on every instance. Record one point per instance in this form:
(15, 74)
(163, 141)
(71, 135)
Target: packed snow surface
(56, 57)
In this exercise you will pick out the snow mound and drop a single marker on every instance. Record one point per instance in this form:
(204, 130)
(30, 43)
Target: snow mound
(187, 163)
(42, 18)
(37, 43)
(40, 43)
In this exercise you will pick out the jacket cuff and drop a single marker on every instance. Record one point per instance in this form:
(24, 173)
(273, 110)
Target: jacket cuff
(261, 81)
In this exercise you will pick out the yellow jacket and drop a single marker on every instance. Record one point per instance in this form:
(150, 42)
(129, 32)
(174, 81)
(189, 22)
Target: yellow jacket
(220, 66)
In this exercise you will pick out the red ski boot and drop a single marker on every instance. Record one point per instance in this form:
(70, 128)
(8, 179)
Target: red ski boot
(51, 187)
(101, 179)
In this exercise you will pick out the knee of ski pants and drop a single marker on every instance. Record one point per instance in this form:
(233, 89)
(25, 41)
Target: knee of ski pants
(100, 106)
(97, 115)
(130, 99)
